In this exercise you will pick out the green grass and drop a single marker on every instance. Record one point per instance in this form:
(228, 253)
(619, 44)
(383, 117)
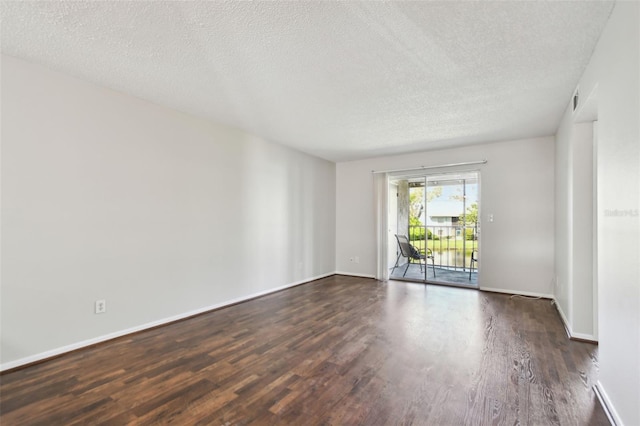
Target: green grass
(444, 244)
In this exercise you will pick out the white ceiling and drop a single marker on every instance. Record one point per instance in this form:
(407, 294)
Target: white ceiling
(341, 80)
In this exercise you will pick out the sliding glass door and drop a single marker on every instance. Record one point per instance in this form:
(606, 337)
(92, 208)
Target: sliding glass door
(433, 228)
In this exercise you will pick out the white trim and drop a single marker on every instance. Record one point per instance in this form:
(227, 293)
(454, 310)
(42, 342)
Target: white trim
(607, 406)
(520, 293)
(572, 334)
(594, 229)
(583, 336)
(439, 166)
(563, 317)
(381, 231)
(78, 345)
(353, 274)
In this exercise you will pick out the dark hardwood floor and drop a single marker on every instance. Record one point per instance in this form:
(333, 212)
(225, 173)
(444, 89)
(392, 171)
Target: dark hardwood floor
(340, 350)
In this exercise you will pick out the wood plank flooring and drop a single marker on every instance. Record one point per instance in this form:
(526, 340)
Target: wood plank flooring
(341, 351)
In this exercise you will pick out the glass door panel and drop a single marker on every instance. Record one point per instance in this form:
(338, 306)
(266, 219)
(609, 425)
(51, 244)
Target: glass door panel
(437, 216)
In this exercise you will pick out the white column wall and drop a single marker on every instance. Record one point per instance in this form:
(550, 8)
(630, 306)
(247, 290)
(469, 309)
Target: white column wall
(563, 282)
(574, 226)
(614, 74)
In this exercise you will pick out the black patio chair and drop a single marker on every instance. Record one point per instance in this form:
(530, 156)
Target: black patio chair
(472, 261)
(412, 254)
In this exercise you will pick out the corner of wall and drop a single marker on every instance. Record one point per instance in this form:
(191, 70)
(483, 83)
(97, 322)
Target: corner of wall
(607, 406)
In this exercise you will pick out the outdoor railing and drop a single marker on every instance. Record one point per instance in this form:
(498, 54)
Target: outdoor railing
(451, 246)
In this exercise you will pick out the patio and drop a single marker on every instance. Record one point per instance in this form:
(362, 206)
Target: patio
(443, 275)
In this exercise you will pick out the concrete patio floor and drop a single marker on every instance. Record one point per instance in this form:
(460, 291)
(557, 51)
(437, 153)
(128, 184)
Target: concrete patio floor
(442, 275)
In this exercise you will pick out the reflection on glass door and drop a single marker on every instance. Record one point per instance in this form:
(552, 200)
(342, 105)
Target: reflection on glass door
(435, 219)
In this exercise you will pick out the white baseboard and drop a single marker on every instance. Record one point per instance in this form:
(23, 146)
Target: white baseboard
(607, 406)
(74, 346)
(353, 274)
(520, 293)
(567, 326)
(563, 317)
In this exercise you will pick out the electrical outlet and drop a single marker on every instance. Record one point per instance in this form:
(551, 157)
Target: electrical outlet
(357, 259)
(101, 306)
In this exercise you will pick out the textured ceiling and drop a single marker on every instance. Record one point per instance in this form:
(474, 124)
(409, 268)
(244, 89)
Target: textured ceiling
(341, 80)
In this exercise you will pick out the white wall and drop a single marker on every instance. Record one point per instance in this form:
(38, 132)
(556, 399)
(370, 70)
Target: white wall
(563, 214)
(517, 249)
(392, 243)
(574, 225)
(105, 196)
(582, 273)
(614, 71)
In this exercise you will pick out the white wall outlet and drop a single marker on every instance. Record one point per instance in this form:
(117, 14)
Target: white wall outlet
(357, 259)
(491, 217)
(101, 306)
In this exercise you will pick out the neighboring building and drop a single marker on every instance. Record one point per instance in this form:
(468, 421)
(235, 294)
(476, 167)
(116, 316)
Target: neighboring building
(442, 213)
